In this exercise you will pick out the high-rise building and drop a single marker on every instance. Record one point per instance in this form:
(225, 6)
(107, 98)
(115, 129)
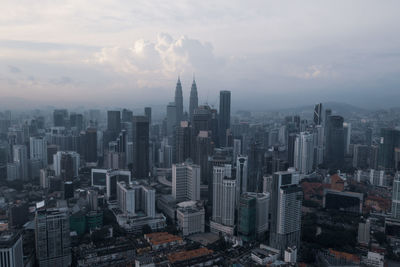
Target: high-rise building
(136, 199)
(126, 115)
(286, 201)
(201, 119)
(141, 154)
(304, 152)
(52, 235)
(185, 181)
(224, 198)
(147, 113)
(11, 253)
(396, 197)
(390, 139)
(184, 142)
(347, 136)
(38, 149)
(334, 153)
(60, 117)
(76, 121)
(203, 148)
(361, 156)
(171, 118)
(91, 145)
(364, 231)
(224, 115)
(179, 101)
(66, 164)
(237, 149)
(20, 156)
(253, 214)
(241, 176)
(318, 114)
(114, 121)
(194, 101)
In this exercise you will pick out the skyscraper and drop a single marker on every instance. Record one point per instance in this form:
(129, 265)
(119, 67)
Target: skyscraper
(194, 101)
(147, 113)
(241, 176)
(179, 101)
(347, 136)
(171, 118)
(38, 149)
(60, 117)
(224, 115)
(184, 142)
(11, 253)
(113, 124)
(52, 237)
(224, 198)
(126, 115)
(185, 181)
(140, 147)
(304, 152)
(91, 145)
(396, 197)
(286, 201)
(334, 153)
(21, 160)
(318, 114)
(390, 139)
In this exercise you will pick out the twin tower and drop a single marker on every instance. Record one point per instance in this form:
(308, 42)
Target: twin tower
(194, 100)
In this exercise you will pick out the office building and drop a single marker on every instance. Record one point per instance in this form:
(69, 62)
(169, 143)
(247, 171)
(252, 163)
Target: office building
(66, 164)
(91, 145)
(304, 153)
(364, 232)
(147, 113)
(347, 137)
(241, 176)
(334, 154)
(190, 216)
(112, 178)
(179, 101)
(203, 148)
(318, 114)
(224, 115)
(52, 235)
(141, 154)
(224, 198)
(20, 156)
(11, 253)
(396, 197)
(286, 201)
(38, 149)
(186, 181)
(171, 118)
(253, 215)
(126, 115)
(60, 117)
(113, 123)
(184, 142)
(194, 100)
(390, 139)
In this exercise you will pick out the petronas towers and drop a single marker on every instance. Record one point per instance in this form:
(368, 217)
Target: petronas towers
(193, 104)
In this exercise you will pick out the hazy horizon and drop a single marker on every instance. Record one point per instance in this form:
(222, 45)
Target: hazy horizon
(270, 55)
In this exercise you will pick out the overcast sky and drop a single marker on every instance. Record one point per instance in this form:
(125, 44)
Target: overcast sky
(268, 53)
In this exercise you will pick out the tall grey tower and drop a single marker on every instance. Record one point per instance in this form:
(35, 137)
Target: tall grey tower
(194, 100)
(318, 114)
(179, 101)
(224, 115)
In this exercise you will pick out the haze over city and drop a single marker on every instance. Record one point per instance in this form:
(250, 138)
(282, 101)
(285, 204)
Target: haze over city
(269, 54)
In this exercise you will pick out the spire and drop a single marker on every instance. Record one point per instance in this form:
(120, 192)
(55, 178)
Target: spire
(193, 104)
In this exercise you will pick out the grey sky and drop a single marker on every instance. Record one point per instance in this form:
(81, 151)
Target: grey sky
(269, 53)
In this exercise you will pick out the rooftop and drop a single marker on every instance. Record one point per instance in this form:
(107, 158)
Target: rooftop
(188, 254)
